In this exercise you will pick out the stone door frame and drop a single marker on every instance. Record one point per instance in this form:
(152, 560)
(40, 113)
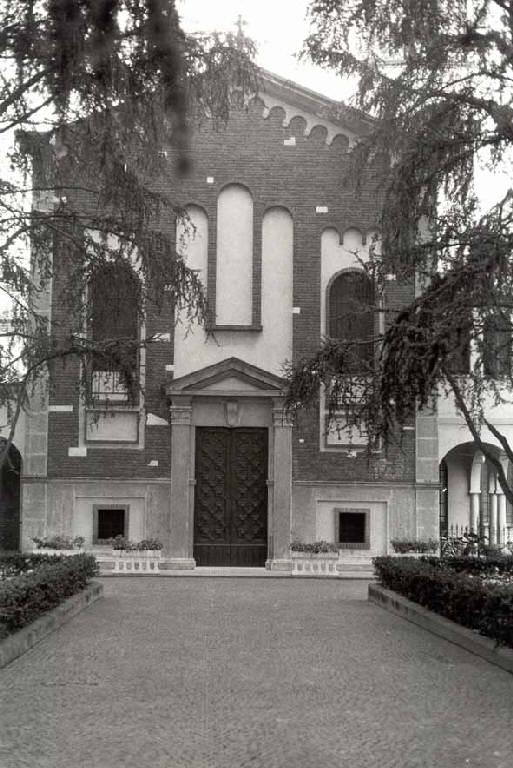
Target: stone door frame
(229, 394)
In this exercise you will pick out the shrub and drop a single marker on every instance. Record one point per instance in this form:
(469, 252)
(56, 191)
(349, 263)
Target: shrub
(14, 563)
(477, 566)
(26, 596)
(149, 544)
(412, 545)
(313, 547)
(58, 542)
(120, 542)
(459, 596)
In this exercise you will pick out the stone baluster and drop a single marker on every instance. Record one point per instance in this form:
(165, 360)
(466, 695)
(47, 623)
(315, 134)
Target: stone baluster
(492, 508)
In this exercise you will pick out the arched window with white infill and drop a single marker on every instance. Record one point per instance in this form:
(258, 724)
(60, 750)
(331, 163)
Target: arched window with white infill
(234, 257)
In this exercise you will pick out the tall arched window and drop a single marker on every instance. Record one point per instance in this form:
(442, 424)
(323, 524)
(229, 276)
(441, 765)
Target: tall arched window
(115, 294)
(459, 351)
(497, 341)
(351, 316)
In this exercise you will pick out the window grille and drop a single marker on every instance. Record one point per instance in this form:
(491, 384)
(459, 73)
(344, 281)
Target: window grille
(351, 316)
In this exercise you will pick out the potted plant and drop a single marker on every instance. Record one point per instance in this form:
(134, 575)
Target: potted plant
(57, 545)
(414, 547)
(317, 558)
(136, 556)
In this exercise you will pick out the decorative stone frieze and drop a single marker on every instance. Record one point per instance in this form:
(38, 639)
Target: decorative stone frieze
(180, 414)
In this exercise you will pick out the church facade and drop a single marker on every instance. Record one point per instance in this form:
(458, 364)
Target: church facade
(208, 460)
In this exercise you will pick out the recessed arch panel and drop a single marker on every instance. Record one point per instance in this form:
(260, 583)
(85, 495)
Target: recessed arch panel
(234, 256)
(277, 276)
(192, 240)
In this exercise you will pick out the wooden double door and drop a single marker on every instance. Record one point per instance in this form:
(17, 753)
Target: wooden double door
(230, 509)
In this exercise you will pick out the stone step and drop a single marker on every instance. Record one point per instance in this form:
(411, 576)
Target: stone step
(361, 565)
(367, 575)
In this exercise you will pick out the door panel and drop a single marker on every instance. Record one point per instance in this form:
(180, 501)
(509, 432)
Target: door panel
(230, 514)
(248, 497)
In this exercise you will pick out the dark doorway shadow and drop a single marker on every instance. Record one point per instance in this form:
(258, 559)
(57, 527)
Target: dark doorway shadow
(10, 476)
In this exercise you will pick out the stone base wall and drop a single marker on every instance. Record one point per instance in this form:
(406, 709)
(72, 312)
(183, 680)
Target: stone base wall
(66, 508)
(394, 511)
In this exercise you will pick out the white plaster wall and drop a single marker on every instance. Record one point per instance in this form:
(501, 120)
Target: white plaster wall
(452, 429)
(113, 427)
(338, 253)
(267, 349)
(325, 523)
(277, 257)
(82, 524)
(234, 256)
(192, 241)
(458, 484)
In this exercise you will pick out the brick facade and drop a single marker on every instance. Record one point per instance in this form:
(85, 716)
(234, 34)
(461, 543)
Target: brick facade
(284, 162)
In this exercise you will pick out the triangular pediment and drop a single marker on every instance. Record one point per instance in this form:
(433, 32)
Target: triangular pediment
(231, 376)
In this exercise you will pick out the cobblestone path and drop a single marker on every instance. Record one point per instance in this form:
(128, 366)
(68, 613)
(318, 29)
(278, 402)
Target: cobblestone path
(250, 673)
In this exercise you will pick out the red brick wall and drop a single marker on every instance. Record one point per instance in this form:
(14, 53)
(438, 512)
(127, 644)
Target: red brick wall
(248, 151)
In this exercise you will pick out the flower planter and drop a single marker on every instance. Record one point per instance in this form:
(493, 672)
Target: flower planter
(60, 552)
(136, 561)
(314, 564)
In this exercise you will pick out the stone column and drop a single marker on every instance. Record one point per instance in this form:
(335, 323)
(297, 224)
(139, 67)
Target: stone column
(503, 520)
(475, 502)
(492, 508)
(280, 492)
(475, 492)
(427, 475)
(502, 534)
(179, 549)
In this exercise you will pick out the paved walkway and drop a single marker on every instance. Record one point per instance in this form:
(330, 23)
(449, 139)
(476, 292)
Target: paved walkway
(250, 673)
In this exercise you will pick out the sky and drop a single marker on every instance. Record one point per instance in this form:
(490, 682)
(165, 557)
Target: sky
(277, 26)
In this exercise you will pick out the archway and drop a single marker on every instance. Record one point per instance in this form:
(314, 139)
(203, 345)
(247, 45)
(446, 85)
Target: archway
(471, 496)
(10, 476)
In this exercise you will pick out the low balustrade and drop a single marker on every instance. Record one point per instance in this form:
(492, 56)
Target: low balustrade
(138, 561)
(492, 536)
(314, 564)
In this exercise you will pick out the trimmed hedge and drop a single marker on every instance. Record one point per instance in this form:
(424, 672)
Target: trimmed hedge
(26, 596)
(476, 565)
(463, 598)
(414, 545)
(14, 563)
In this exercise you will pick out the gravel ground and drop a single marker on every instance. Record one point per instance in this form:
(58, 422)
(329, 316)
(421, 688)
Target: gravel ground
(250, 673)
